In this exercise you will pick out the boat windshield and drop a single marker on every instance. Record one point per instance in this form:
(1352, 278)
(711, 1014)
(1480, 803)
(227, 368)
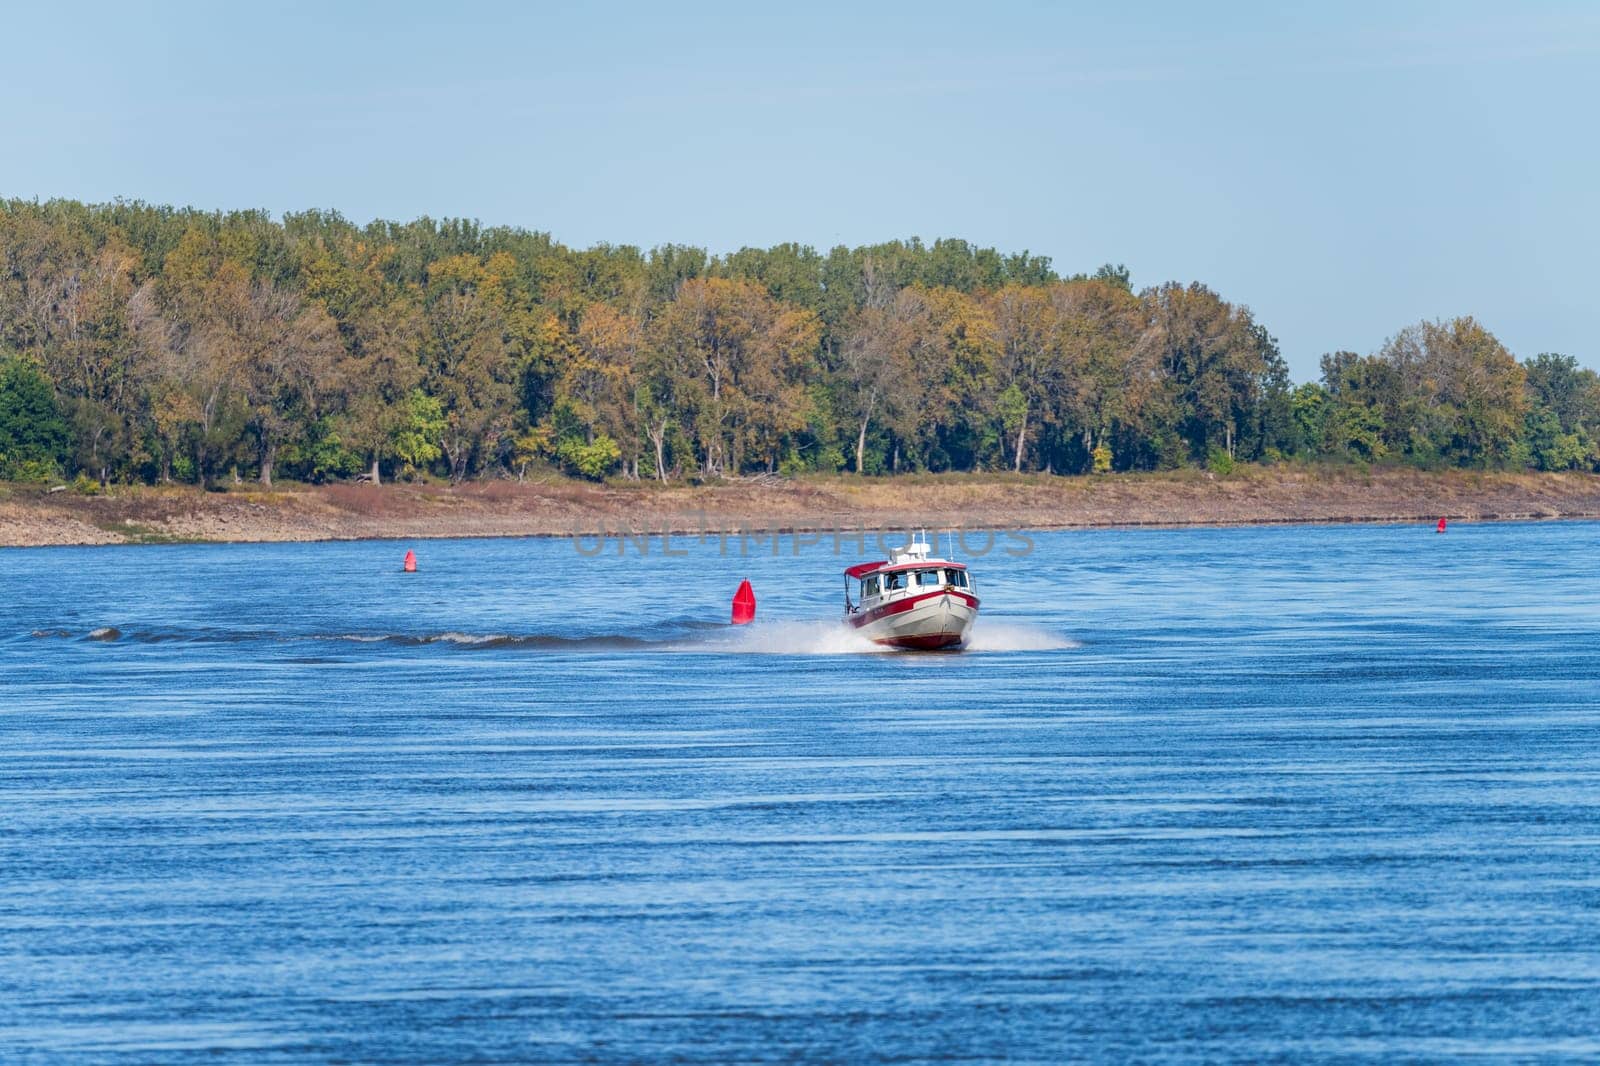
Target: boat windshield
(916, 580)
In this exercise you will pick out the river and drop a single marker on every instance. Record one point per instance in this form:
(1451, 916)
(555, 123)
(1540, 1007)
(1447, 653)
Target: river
(1296, 793)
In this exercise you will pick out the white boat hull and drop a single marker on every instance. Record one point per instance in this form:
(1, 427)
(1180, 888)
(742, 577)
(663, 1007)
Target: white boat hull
(929, 621)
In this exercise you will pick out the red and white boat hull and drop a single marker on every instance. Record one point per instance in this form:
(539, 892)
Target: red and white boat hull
(936, 619)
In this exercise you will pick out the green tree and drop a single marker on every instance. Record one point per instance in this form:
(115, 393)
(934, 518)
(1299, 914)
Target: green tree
(469, 359)
(1362, 415)
(1548, 448)
(417, 436)
(876, 363)
(1109, 372)
(737, 361)
(600, 380)
(1467, 391)
(1220, 369)
(284, 352)
(1309, 410)
(1570, 395)
(33, 433)
(1030, 365)
(379, 376)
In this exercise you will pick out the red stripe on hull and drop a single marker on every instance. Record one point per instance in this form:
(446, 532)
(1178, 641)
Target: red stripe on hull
(862, 618)
(930, 642)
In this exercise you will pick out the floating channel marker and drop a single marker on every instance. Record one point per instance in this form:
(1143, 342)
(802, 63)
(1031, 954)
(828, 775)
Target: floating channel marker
(744, 604)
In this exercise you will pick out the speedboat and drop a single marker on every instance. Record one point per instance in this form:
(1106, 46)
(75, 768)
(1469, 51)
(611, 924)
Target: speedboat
(911, 600)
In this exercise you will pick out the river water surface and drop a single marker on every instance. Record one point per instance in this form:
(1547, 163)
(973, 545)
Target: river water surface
(1287, 793)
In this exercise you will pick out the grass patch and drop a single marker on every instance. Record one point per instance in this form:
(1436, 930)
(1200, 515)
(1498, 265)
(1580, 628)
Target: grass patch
(138, 533)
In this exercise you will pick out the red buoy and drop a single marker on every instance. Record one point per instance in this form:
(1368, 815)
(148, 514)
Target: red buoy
(411, 561)
(744, 604)
(1441, 526)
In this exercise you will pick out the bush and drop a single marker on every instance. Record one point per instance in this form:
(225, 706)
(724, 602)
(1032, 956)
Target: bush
(1101, 458)
(31, 471)
(593, 460)
(322, 456)
(1219, 462)
(84, 485)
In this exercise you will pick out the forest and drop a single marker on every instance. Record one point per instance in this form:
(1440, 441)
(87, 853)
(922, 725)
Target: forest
(142, 343)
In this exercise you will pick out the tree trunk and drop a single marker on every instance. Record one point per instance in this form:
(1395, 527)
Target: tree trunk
(94, 451)
(861, 449)
(1022, 439)
(269, 455)
(455, 456)
(377, 478)
(660, 441)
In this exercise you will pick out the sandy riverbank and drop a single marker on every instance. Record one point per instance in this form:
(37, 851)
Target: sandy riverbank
(139, 514)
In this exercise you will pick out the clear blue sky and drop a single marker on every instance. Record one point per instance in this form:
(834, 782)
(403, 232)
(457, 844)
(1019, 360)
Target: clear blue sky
(1344, 170)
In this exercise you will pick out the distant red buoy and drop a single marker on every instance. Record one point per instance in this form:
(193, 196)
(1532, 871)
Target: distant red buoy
(411, 562)
(1442, 524)
(744, 604)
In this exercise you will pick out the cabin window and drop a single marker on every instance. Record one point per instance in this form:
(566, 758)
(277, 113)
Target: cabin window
(958, 578)
(929, 578)
(893, 582)
(869, 586)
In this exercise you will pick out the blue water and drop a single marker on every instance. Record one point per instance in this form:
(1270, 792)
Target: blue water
(1251, 794)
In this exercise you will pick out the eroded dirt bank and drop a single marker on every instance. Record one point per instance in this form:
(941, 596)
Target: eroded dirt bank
(34, 516)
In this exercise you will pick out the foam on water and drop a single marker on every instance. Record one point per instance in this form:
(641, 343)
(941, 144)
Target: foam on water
(1016, 636)
(819, 637)
(831, 637)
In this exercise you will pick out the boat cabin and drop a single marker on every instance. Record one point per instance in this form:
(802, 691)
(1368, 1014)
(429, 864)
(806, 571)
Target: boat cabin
(908, 572)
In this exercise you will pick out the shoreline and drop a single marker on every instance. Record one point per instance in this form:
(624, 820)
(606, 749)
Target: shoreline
(31, 516)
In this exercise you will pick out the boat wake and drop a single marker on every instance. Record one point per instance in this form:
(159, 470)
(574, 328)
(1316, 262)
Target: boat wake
(805, 638)
(834, 638)
(988, 635)
(785, 638)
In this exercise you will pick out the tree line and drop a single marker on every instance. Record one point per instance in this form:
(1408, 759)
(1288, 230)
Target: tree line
(145, 343)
